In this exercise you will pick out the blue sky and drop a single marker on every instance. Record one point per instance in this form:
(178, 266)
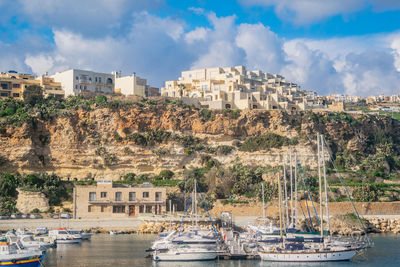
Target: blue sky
(341, 46)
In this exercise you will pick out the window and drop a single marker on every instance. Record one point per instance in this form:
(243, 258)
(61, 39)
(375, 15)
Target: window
(204, 87)
(4, 86)
(4, 94)
(76, 86)
(158, 196)
(16, 85)
(99, 79)
(80, 86)
(102, 208)
(85, 87)
(92, 196)
(145, 194)
(118, 196)
(118, 209)
(95, 79)
(103, 194)
(15, 94)
(90, 78)
(148, 209)
(132, 196)
(77, 78)
(89, 208)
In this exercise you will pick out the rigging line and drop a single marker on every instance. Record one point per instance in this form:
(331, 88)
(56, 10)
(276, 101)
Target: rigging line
(184, 214)
(205, 205)
(308, 211)
(305, 218)
(344, 185)
(309, 194)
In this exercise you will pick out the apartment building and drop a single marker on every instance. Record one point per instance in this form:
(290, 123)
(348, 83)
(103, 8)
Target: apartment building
(76, 82)
(130, 85)
(13, 84)
(237, 88)
(117, 200)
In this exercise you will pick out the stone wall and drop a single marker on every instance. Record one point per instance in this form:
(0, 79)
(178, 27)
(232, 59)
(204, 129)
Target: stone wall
(28, 201)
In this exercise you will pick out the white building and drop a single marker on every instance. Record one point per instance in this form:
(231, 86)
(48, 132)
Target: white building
(130, 85)
(75, 81)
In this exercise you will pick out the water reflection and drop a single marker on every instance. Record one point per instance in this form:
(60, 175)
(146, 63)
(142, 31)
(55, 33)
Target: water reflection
(129, 250)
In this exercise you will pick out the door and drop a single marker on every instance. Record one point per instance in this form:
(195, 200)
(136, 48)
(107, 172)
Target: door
(132, 210)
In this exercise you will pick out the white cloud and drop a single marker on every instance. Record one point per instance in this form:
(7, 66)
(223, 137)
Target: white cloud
(91, 17)
(303, 12)
(263, 47)
(159, 49)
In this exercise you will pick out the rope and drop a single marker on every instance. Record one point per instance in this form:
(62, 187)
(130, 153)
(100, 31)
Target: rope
(184, 214)
(309, 194)
(205, 205)
(345, 187)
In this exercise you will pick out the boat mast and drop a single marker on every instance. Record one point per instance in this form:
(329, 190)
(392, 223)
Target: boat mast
(280, 208)
(326, 184)
(291, 188)
(263, 205)
(295, 187)
(285, 192)
(320, 187)
(195, 201)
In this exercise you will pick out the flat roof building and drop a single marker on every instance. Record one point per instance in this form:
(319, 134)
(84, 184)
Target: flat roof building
(118, 200)
(76, 82)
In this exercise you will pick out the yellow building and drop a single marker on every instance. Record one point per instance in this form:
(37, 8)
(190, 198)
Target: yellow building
(13, 84)
(106, 200)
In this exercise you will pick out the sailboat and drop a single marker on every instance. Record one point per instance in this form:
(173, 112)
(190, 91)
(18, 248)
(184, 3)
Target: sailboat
(193, 245)
(326, 250)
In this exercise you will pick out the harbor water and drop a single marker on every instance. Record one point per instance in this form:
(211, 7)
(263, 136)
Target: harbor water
(129, 250)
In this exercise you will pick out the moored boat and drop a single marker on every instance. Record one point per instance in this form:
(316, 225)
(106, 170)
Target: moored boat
(12, 255)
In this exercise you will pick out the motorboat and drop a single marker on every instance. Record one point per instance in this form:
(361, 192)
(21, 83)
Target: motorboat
(13, 255)
(62, 236)
(29, 242)
(185, 253)
(84, 235)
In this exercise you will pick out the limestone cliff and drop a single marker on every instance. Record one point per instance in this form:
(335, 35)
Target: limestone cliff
(97, 143)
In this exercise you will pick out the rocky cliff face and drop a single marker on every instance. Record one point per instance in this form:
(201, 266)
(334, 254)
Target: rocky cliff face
(100, 143)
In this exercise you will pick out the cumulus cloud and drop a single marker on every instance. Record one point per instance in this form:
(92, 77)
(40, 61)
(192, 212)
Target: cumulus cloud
(91, 17)
(159, 48)
(303, 12)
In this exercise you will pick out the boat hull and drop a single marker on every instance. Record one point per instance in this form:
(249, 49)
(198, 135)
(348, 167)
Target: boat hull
(68, 241)
(308, 256)
(185, 256)
(22, 262)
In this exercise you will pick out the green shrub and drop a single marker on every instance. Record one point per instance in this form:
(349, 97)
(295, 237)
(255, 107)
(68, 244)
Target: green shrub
(129, 177)
(263, 142)
(207, 115)
(166, 174)
(101, 99)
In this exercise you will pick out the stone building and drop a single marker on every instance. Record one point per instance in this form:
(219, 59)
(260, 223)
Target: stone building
(238, 88)
(118, 200)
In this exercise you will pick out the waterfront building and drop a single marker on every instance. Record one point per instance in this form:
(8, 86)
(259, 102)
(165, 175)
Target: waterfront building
(13, 84)
(237, 88)
(106, 200)
(77, 82)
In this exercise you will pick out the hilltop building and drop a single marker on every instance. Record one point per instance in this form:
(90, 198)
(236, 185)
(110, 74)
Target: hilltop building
(118, 200)
(237, 88)
(76, 82)
(133, 85)
(13, 84)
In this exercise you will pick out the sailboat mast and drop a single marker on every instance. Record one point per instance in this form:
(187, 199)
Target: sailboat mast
(295, 187)
(195, 201)
(285, 192)
(291, 188)
(263, 202)
(280, 208)
(320, 187)
(326, 184)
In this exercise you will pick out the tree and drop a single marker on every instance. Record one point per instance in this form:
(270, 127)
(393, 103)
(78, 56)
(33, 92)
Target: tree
(32, 95)
(8, 185)
(166, 174)
(366, 193)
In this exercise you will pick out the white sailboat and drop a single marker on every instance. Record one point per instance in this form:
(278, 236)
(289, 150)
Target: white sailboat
(327, 250)
(193, 245)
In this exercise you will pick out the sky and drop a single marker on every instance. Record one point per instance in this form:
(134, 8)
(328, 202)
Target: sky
(342, 46)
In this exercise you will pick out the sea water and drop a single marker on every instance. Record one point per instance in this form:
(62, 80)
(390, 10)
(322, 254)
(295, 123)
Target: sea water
(129, 250)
